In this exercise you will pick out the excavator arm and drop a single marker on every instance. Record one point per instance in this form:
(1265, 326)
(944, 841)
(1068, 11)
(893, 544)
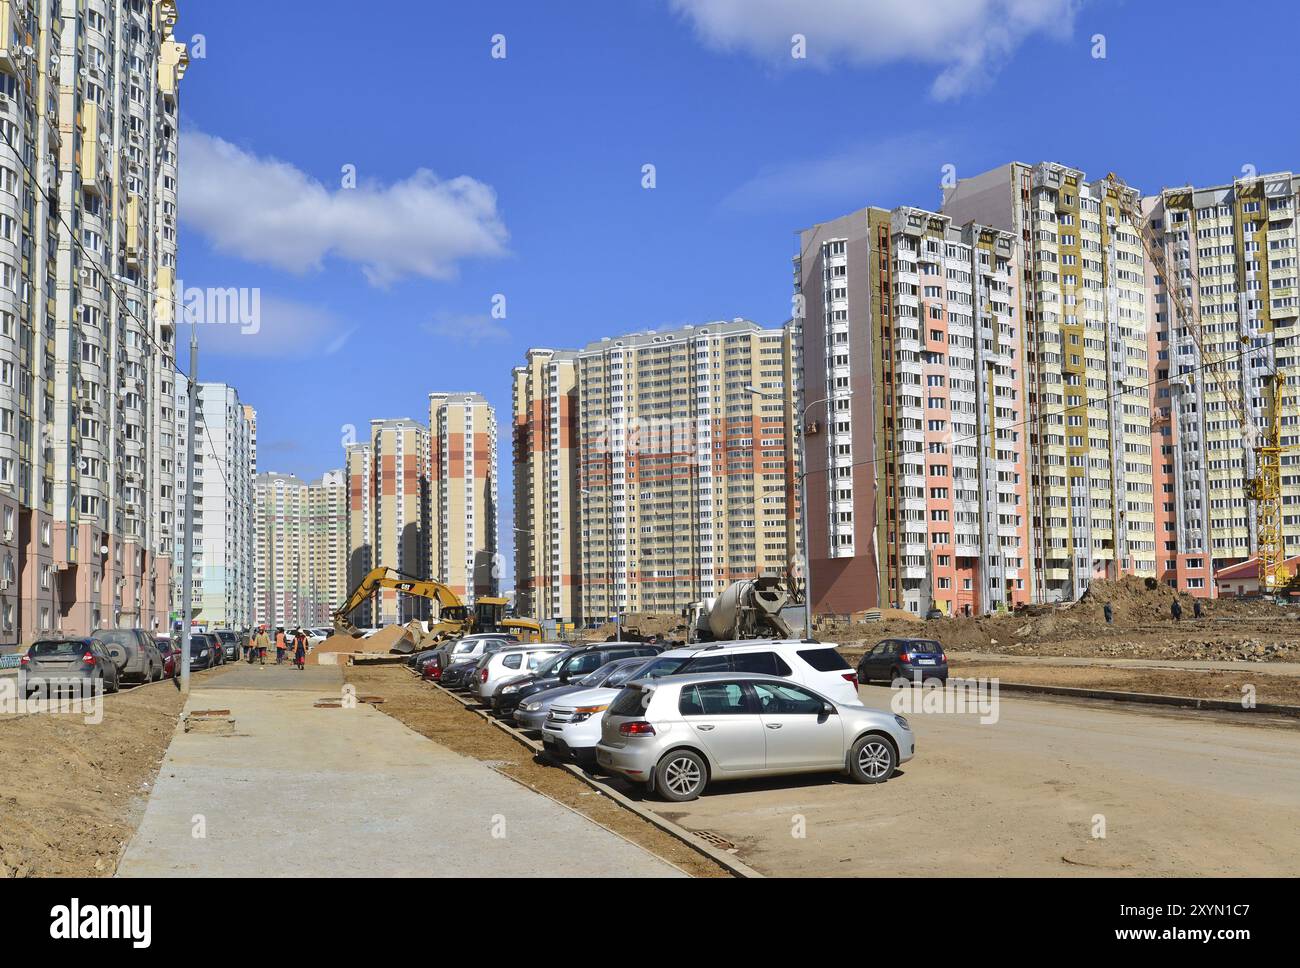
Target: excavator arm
(452, 611)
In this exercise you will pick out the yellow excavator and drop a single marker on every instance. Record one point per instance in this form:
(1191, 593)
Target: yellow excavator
(454, 618)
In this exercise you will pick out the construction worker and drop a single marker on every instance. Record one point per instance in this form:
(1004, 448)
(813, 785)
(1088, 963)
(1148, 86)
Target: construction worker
(1196, 608)
(1176, 610)
(300, 649)
(260, 644)
(1108, 612)
(280, 645)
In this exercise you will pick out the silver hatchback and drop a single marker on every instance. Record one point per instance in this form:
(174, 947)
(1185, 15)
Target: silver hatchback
(680, 733)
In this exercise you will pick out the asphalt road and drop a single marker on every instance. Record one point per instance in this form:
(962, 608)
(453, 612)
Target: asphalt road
(1173, 793)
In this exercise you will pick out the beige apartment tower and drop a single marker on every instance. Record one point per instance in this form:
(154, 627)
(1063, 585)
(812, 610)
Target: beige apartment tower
(301, 555)
(399, 479)
(1082, 295)
(685, 474)
(548, 540)
(358, 472)
(463, 494)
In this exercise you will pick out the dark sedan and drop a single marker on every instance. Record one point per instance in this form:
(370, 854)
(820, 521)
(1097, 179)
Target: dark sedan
(203, 651)
(903, 661)
(565, 668)
(54, 664)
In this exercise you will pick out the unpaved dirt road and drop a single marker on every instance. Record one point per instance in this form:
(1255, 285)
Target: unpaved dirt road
(1178, 793)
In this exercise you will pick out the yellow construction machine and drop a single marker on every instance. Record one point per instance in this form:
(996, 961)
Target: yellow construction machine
(454, 617)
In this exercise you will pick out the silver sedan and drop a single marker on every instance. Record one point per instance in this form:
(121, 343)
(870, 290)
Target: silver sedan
(680, 733)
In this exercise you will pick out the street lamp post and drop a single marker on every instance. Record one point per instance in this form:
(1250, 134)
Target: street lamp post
(803, 500)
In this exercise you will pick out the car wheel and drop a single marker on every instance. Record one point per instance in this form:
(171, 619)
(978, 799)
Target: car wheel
(897, 680)
(157, 673)
(872, 759)
(680, 776)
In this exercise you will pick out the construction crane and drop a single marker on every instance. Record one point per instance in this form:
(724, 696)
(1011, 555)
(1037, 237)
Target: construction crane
(455, 618)
(1265, 488)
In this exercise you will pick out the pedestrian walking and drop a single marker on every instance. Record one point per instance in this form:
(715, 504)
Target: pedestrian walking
(1108, 612)
(1196, 608)
(1176, 610)
(280, 646)
(260, 645)
(300, 650)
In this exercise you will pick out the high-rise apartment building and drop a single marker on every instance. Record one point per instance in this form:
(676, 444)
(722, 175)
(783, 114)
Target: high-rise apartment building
(399, 453)
(358, 472)
(301, 554)
(684, 472)
(547, 499)
(279, 512)
(1229, 252)
(250, 414)
(913, 389)
(223, 552)
(1082, 293)
(462, 525)
(327, 546)
(88, 137)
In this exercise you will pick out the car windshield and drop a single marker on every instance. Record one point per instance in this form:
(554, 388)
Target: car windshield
(117, 636)
(658, 668)
(550, 668)
(56, 647)
(603, 673)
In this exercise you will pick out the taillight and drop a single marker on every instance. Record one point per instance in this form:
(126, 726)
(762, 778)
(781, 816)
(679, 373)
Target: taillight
(850, 677)
(24, 660)
(482, 675)
(943, 657)
(88, 658)
(638, 728)
(904, 657)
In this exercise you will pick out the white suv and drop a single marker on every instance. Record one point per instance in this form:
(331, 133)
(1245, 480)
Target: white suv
(816, 665)
(497, 668)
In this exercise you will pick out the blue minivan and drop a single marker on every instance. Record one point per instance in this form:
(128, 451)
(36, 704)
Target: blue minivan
(910, 660)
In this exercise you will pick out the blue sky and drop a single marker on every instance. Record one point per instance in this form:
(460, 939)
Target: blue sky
(522, 176)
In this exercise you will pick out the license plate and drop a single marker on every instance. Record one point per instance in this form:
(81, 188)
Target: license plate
(925, 662)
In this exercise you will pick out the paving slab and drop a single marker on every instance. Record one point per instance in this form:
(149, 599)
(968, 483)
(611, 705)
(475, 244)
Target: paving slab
(284, 788)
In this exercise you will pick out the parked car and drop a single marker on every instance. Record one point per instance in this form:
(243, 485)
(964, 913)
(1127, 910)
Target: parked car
(532, 712)
(569, 666)
(203, 651)
(134, 652)
(430, 662)
(901, 661)
(228, 639)
(495, 668)
(680, 733)
(816, 665)
(171, 655)
(462, 664)
(50, 663)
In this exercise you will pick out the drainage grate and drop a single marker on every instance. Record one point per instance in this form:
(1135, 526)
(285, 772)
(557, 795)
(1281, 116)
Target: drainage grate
(715, 840)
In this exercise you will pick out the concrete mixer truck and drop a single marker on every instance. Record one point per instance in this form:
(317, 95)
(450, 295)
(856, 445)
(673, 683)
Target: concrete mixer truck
(753, 608)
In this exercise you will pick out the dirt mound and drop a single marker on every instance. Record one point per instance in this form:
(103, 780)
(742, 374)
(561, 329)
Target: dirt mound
(662, 624)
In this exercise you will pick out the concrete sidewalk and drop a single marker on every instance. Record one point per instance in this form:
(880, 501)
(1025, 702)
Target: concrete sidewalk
(290, 789)
(1192, 665)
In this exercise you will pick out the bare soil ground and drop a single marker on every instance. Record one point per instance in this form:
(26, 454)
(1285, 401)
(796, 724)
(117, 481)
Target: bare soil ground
(74, 792)
(431, 713)
(1143, 628)
(1173, 682)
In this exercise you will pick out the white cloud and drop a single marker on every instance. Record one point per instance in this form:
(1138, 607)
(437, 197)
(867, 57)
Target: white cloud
(470, 329)
(279, 327)
(268, 211)
(968, 40)
(864, 171)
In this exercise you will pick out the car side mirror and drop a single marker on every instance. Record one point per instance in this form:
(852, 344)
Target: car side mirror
(828, 709)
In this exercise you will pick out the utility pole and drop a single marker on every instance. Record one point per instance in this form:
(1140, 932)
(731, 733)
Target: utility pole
(187, 563)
